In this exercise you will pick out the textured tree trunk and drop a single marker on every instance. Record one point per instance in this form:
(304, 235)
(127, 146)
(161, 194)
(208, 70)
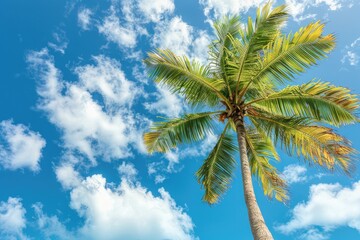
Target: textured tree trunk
(258, 227)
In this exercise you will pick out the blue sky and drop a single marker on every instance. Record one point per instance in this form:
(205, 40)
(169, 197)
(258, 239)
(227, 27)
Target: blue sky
(75, 100)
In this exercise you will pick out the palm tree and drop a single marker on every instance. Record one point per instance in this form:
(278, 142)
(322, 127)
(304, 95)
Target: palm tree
(241, 87)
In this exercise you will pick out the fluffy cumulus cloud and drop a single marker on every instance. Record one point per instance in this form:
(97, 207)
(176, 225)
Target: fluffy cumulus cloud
(20, 147)
(126, 211)
(294, 173)
(67, 176)
(12, 219)
(84, 18)
(352, 53)
(89, 126)
(327, 208)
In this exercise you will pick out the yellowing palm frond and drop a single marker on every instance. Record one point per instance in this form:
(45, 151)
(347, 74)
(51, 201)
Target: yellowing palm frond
(260, 152)
(317, 144)
(317, 100)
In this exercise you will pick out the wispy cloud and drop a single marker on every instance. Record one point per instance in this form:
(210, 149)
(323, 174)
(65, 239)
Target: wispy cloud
(352, 53)
(84, 18)
(124, 35)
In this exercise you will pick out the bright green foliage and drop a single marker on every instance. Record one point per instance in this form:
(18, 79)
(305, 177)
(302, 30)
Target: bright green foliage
(249, 64)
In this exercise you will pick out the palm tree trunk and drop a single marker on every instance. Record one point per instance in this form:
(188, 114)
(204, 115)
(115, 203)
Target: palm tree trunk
(258, 227)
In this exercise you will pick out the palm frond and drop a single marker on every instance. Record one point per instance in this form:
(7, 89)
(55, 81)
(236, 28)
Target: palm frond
(292, 54)
(318, 100)
(166, 135)
(226, 29)
(189, 79)
(317, 144)
(255, 37)
(260, 152)
(216, 172)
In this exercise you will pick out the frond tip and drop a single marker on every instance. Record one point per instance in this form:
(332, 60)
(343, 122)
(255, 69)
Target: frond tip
(166, 135)
(216, 172)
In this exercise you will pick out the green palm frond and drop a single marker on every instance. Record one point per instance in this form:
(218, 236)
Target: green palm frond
(292, 54)
(226, 29)
(318, 100)
(216, 172)
(190, 79)
(166, 135)
(255, 37)
(317, 144)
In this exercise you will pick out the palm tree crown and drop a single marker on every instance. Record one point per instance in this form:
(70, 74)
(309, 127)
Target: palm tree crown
(243, 83)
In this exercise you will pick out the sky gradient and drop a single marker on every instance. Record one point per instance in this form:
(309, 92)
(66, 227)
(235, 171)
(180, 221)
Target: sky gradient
(76, 98)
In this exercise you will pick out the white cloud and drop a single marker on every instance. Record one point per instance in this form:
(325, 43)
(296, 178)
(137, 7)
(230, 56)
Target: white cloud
(67, 176)
(143, 11)
(155, 9)
(223, 7)
(89, 127)
(159, 179)
(50, 226)
(352, 53)
(114, 31)
(173, 34)
(173, 159)
(20, 147)
(59, 42)
(294, 173)
(351, 57)
(84, 18)
(329, 206)
(12, 219)
(166, 103)
(314, 234)
(199, 47)
(182, 39)
(127, 170)
(128, 212)
(297, 8)
(107, 78)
